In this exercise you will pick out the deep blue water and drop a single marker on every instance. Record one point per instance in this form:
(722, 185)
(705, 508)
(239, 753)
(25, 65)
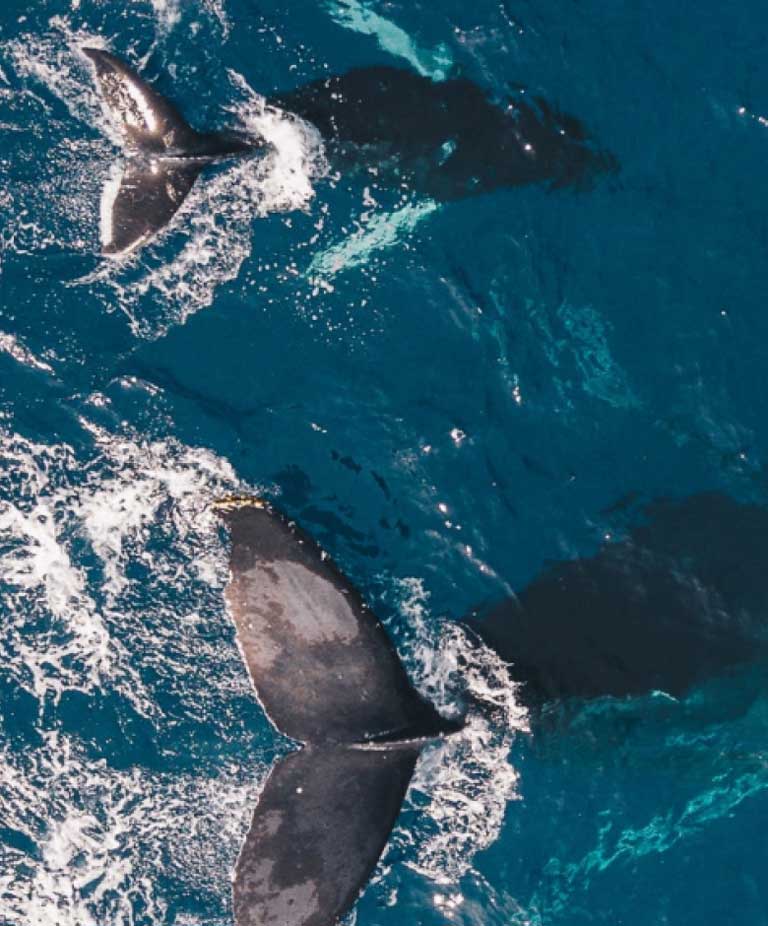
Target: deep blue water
(448, 396)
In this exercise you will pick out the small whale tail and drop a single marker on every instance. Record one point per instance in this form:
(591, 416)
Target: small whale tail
(327, 675)
(165, 156)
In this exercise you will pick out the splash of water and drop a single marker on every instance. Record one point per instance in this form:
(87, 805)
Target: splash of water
(61, 618)
(462, 786)
(93, 841)
(11, 345)
(112, 574)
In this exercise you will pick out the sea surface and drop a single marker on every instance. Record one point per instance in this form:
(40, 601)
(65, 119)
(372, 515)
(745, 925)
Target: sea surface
(448, 395)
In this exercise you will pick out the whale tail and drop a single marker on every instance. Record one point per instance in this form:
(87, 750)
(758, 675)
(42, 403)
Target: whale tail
(165, 156)
(327, 675)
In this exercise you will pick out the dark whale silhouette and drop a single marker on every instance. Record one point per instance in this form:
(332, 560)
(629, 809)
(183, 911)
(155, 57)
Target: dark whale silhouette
(682, 598)
(164, 156)
(327, 676)
(444, 139)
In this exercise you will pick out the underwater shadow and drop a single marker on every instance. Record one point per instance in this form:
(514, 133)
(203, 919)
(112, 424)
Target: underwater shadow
(682, 598)
(446, 140)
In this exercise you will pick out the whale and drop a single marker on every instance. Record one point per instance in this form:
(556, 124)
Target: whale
(393, 127)
(164, 156)
(675, 600)
(443, 139)
(329, 678)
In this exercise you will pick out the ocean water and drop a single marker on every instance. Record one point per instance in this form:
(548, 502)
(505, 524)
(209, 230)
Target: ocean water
(448, 395)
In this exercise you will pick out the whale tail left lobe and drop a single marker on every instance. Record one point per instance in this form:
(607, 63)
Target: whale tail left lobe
(141, 198)
(322, 821)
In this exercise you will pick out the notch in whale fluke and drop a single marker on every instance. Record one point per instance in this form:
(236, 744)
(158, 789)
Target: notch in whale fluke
(165, 156)
(327, 675)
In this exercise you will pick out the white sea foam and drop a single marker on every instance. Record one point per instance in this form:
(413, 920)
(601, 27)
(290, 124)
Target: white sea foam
(59, 207)
(12, 346)
(61, 620)
(168, 14)
(105, 839)
(53, 61)
(50, 617)
(77, 528)
(463, 785)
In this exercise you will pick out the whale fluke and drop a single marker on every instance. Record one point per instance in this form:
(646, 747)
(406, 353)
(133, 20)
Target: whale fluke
(165, 156)
(321, 823)
(327, 675)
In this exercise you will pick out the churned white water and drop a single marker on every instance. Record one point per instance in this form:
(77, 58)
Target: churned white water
(211, 235)
(111, 573)
(462, 785)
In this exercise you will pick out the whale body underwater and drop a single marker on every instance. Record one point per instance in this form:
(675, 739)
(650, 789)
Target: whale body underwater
(444, 139)
(680, 599)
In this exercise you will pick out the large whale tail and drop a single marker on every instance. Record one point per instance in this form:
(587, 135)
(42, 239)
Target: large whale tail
(164, 156)
(328, 676)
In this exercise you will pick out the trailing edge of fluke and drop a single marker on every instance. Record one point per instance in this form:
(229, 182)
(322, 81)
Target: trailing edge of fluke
(328, 676)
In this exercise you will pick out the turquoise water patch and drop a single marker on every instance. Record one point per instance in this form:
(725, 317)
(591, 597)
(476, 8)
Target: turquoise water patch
(575, 340)
(381, 231)
(361, 17)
